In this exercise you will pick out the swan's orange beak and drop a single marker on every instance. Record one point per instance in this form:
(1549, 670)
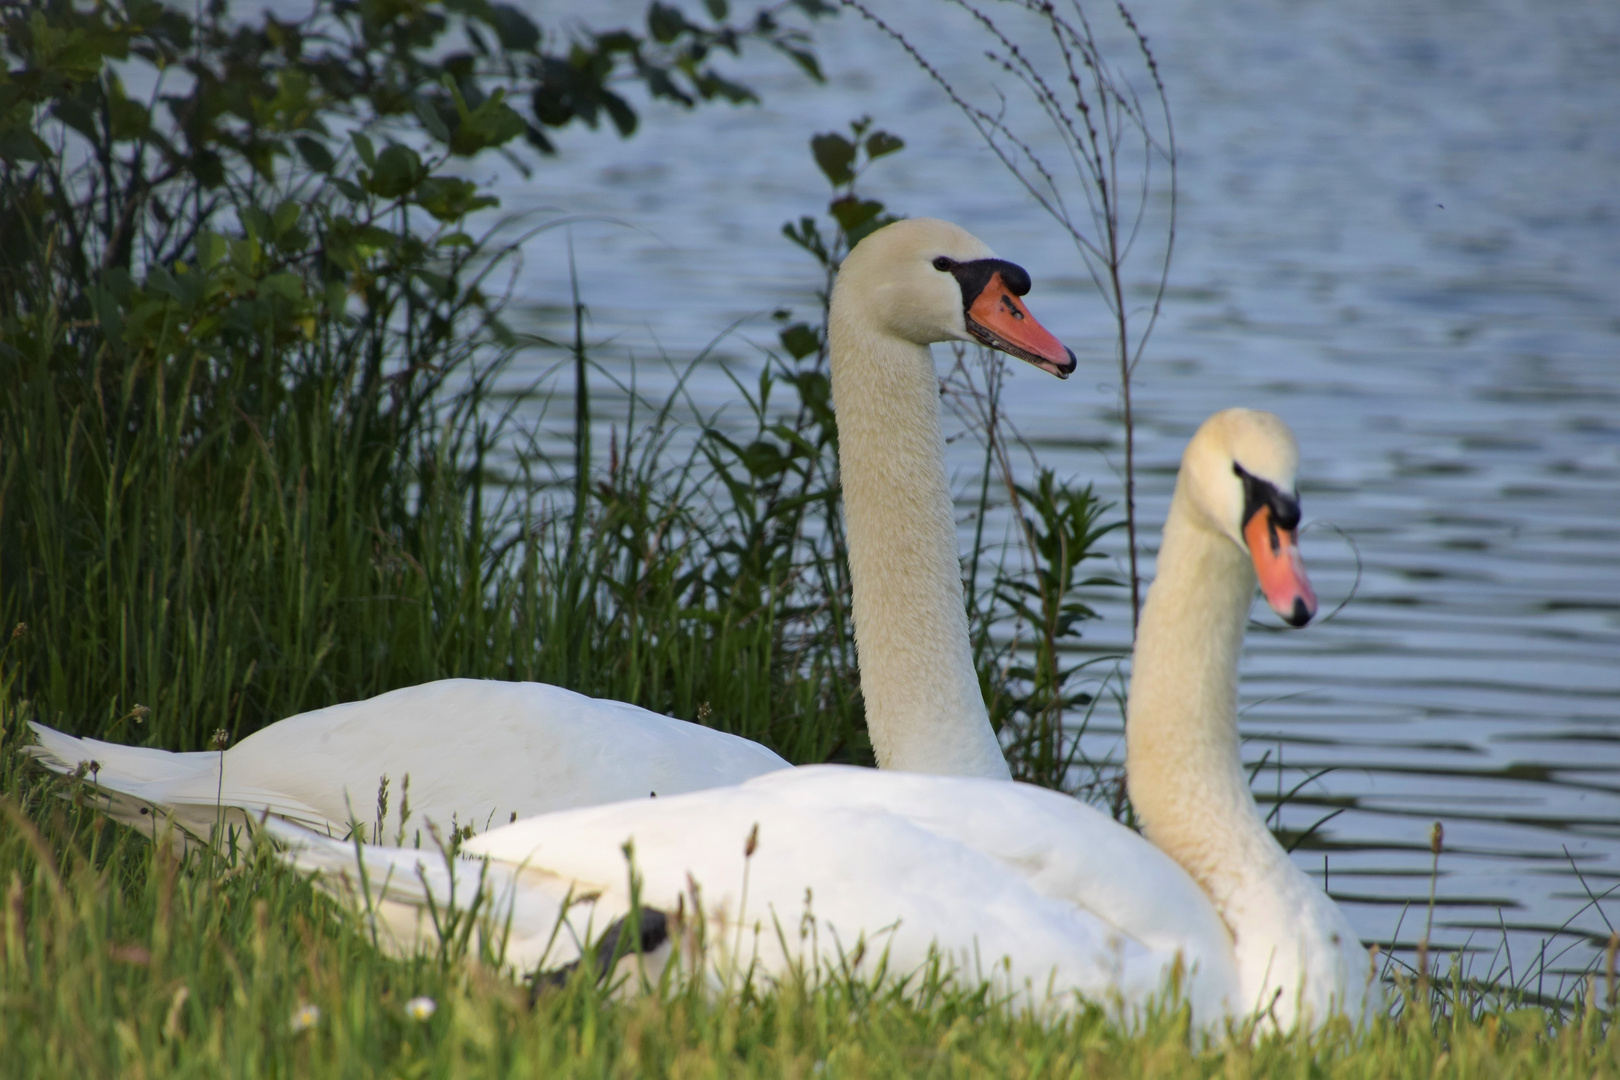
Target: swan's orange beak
(1278, 566)
(1000, 320)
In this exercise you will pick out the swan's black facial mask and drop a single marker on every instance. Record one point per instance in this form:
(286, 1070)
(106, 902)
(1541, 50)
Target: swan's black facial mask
(1259, 493)
(1270, 528)
(995, 316)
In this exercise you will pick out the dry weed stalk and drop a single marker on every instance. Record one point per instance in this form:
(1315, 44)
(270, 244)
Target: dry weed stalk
(1114, 140)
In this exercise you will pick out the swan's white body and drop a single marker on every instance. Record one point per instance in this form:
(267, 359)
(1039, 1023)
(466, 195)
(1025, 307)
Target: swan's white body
(1027, 888)
(1060, 896)
(478, 753)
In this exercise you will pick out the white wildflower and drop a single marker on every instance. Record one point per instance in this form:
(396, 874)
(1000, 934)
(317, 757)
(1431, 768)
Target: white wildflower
(305, 1017)
(420, 1008)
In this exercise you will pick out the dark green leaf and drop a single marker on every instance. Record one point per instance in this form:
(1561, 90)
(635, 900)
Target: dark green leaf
(129, 119)
(624, 118)
(492, 123)
(808, 236)
(550, 106)
(880, 143)
(363, 147)
(398, 170)
(257, 222)
(118, 282)
(660, 85)
(834, 155)
(538, 140)
(502, 333)
(851, 212)
(665, 23)
(314, 153)
(211, 248)
(20, 144)
(617, 41)
(76, 116)
(427, 111)
(160, 280)
(806, 60)
(712, 85)
(800, 341)
(515, 29)
(107, 312)
(283, 286)
(209, 169)
(867, 228)
(451, 198)
(286, 216)
(439, 284)
(349, 188)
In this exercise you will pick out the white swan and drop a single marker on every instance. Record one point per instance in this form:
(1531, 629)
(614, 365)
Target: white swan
(479, 753)
(1036, 891)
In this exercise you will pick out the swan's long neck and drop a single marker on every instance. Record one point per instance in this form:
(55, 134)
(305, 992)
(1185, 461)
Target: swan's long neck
(924, 706)
(1186, 778)
(1297, 956)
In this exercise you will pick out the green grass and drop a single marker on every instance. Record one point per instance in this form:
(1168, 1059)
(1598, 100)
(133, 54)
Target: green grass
(225, 546)
(116, 959)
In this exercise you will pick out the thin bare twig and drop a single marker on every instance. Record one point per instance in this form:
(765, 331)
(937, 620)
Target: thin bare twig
(1105, 129)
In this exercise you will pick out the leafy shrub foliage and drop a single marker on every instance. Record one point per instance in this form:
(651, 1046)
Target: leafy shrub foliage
(249, 455)
(246, 336)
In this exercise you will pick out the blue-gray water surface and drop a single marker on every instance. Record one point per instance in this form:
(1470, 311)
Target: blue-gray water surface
(1400, 229)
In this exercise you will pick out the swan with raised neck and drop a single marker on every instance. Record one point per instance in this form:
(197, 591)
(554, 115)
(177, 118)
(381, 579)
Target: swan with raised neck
(902, 288)
(1233, 521)
(478, 752)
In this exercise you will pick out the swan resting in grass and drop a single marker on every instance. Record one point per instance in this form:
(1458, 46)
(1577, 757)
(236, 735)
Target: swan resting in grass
(480, 753)
(829, 867)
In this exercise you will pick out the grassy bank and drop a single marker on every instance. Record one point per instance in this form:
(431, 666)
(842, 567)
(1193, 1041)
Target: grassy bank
(119, 961)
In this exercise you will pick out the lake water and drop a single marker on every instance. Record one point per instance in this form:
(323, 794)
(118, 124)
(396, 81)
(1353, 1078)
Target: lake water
(1399, 229)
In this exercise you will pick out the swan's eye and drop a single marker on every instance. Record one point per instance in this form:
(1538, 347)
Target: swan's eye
(942, 263)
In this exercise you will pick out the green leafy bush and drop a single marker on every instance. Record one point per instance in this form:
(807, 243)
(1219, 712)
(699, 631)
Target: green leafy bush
(246, 340)
(248, 447)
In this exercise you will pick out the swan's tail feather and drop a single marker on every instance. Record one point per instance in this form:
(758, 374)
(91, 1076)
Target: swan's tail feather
(418, 877)
(65, 754)
(149, 789)
(416, 899)
(408, 899)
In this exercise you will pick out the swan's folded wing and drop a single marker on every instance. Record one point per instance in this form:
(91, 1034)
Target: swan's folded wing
(835, 873)
(1059, 846)
(481, 752)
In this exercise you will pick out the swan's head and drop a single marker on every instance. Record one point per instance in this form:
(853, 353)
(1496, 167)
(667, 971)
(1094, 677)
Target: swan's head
(925, 280)
(1239, 471)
